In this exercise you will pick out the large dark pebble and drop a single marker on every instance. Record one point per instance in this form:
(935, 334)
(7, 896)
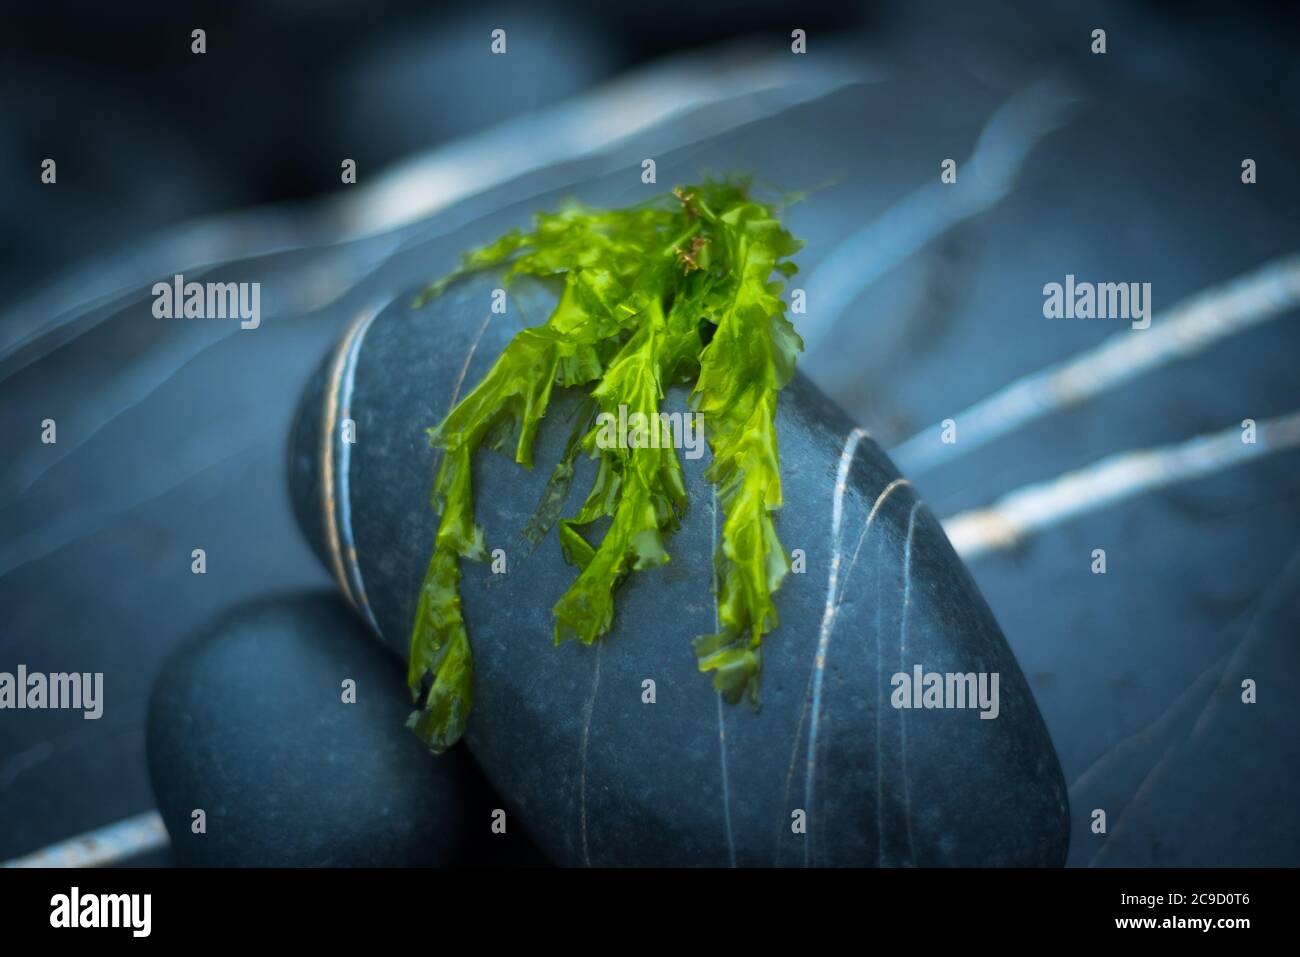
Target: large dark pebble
(248, 724)
(598, 775)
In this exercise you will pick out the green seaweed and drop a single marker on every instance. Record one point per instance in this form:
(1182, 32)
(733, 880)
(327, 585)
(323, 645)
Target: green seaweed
(676, 290)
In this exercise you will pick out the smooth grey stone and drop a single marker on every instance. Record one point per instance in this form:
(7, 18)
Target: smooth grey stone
(598, 776)
(247, 722)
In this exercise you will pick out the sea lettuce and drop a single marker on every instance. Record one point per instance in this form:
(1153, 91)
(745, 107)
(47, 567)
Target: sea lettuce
(679, 289)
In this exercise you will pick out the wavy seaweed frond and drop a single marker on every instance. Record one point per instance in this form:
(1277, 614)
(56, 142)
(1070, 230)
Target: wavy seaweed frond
(677, 290)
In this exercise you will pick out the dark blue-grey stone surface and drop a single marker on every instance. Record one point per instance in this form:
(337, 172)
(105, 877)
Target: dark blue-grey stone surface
(172, 435)
(598, 776)
(248, 723)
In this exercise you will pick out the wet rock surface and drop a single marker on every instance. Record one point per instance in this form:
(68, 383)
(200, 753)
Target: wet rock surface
(827, 772)
(248, 723)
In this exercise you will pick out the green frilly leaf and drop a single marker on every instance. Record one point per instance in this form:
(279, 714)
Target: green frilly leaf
(677, 290)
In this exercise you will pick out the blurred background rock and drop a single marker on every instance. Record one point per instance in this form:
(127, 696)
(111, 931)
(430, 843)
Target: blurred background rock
(148, 135)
